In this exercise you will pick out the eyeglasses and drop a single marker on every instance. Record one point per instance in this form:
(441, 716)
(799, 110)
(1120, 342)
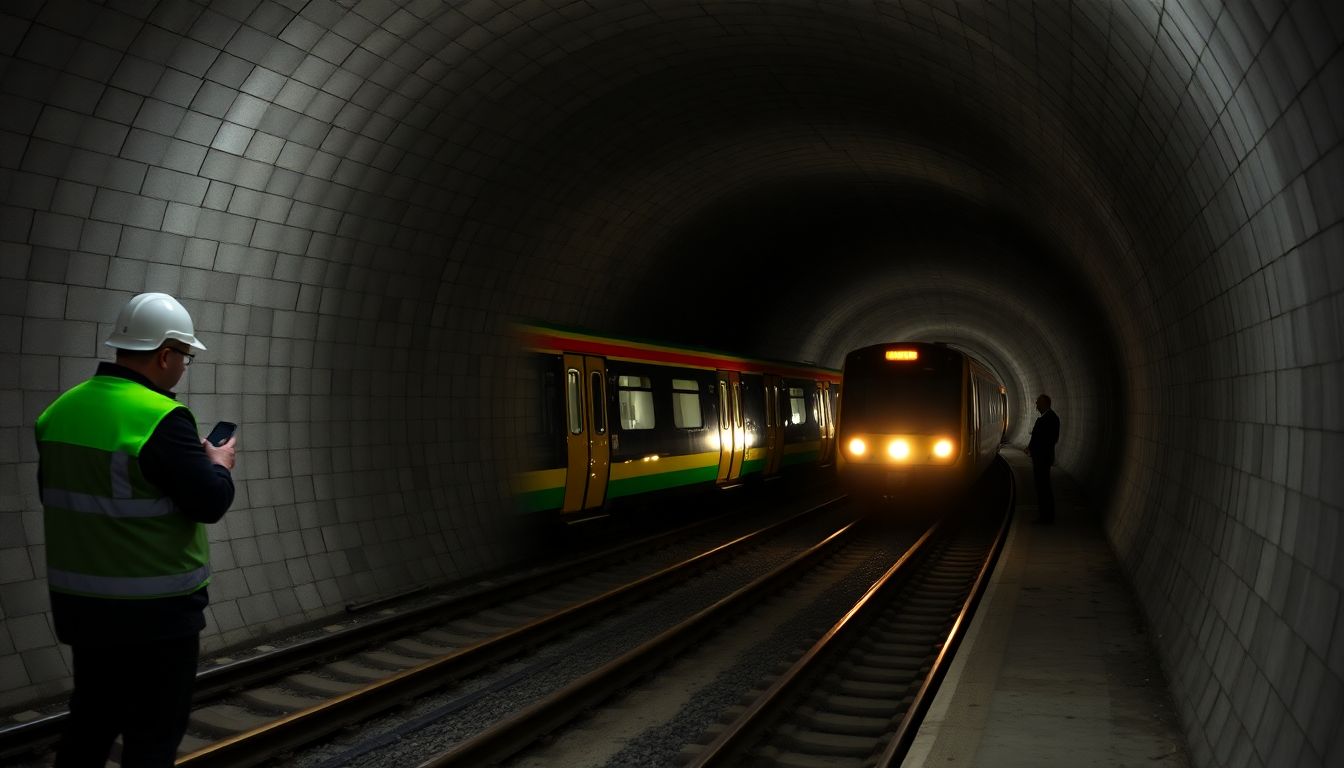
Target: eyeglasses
(187, 357)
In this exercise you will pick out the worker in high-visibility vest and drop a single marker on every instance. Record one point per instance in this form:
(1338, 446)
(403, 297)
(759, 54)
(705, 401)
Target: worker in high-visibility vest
(127, 484)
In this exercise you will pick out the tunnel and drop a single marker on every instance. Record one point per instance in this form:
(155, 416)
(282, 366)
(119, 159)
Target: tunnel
(1132, 206)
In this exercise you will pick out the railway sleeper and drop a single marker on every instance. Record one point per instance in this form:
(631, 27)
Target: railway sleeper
(547, 604)
(938, 611)
(938, 603)
(476, 629)
(948, 581)
(453, 640)
(388, 660)
(921, 634)
(409, 646)
(877, 690)
(861, 706)
(773, 756)
(889, 648)
(223, 720)
(899, 661)
(820, 743)
(917, 618)
(276, 700)
(883, 675)
(318, 685)
(349, 670)
(840, 723)
(508, 617)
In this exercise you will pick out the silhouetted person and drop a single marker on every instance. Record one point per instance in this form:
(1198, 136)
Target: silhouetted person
(1041, 449)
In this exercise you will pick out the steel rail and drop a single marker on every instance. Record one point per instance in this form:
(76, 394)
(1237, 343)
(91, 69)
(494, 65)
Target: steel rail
(214, 682)
(304, 726)
(905, 733)
(729, 745)
(509, 736)
(754, 719)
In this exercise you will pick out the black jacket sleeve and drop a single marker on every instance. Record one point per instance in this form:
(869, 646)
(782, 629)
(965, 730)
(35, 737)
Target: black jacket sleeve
(174, 460)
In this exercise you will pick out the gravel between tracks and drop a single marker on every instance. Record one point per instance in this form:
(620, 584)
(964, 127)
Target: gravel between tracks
(435, 723)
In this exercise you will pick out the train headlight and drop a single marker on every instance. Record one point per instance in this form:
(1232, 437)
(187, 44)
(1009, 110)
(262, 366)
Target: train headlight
(899, 450)
(943, 449)
(857, 447)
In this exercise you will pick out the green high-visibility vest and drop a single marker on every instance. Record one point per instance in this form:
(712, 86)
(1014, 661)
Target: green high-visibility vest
(110, 533)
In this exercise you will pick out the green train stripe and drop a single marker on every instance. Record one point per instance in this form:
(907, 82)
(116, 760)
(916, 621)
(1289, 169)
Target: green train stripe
(544, 499)
(661, 480)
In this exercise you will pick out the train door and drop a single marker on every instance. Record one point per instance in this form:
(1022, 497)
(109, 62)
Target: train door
(1003, 411)
(825, 422)
(774, 427)
(586, 438)
(975, 427)
(732, 435)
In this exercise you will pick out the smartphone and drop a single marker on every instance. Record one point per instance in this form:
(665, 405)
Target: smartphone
(222, 432)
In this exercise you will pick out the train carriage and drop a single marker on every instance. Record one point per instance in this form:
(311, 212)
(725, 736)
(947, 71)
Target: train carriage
(918, 421)
(622, 418)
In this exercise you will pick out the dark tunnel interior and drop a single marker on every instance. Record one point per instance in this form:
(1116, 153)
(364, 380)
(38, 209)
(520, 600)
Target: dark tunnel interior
(1135, 207)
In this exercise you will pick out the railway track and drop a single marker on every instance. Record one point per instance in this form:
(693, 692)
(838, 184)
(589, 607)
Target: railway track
(857, 696)
(854, 698)
(251, 710)
(394, 685)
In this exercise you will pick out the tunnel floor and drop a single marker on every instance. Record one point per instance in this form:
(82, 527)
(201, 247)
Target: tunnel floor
(1058, 668)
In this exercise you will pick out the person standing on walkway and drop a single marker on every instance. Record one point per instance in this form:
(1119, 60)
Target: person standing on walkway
(127, 484)
(1041, 449)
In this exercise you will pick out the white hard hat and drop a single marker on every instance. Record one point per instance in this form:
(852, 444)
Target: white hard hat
(148, 320)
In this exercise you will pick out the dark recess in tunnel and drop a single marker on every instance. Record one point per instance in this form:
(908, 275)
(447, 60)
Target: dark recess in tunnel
(790, 244)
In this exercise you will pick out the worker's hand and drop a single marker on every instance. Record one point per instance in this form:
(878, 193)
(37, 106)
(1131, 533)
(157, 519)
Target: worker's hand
(222, 454)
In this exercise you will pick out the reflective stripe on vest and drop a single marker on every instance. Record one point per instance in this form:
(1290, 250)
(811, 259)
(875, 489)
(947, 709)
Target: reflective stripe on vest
(110, 532)
(128, 586)
(100, 505)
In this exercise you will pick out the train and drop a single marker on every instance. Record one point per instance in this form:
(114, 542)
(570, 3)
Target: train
(618, 420)
(919, 422)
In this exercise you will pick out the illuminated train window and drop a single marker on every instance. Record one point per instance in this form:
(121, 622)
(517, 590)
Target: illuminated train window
(797, 406)
(574, 401)
(635, 396)
(686, 404)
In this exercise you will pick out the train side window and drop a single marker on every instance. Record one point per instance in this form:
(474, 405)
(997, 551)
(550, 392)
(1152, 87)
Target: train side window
(724, 415)
(686, 404)
(737, 404)
(771, 404)
(979, 414)
(634, 394)
(599, 414)
(797, 406)
(573, 401)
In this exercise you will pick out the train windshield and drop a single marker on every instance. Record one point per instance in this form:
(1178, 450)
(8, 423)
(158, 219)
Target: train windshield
(920, 397)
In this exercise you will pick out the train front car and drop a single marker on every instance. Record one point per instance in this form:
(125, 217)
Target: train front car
(917, 423)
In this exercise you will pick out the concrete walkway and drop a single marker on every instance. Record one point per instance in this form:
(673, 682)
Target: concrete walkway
(1057, 668)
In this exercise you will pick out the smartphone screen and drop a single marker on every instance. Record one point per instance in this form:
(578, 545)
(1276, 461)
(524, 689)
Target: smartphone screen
(222, 432)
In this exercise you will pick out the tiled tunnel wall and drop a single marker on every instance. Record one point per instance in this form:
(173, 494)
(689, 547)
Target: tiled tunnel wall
(353, 198)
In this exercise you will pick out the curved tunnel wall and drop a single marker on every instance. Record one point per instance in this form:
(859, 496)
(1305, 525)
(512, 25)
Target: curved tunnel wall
(354, 198)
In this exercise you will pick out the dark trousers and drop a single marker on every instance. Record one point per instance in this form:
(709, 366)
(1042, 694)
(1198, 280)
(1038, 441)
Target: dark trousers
(141, 692)
(1045, 495)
